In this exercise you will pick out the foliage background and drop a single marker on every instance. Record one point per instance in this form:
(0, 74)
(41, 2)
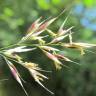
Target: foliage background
(17, 15)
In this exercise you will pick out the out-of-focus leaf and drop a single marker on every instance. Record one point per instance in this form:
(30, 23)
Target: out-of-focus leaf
(44, 4)
(56, 2)
(8, 12)
(89, 2)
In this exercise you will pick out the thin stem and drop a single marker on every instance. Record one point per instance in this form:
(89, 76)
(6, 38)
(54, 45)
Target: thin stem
(36, 45)
(8, 47)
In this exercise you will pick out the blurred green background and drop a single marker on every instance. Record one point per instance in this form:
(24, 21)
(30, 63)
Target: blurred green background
(17, 15)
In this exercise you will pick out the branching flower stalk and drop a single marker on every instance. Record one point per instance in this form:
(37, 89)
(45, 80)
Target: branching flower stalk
(36, 33)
